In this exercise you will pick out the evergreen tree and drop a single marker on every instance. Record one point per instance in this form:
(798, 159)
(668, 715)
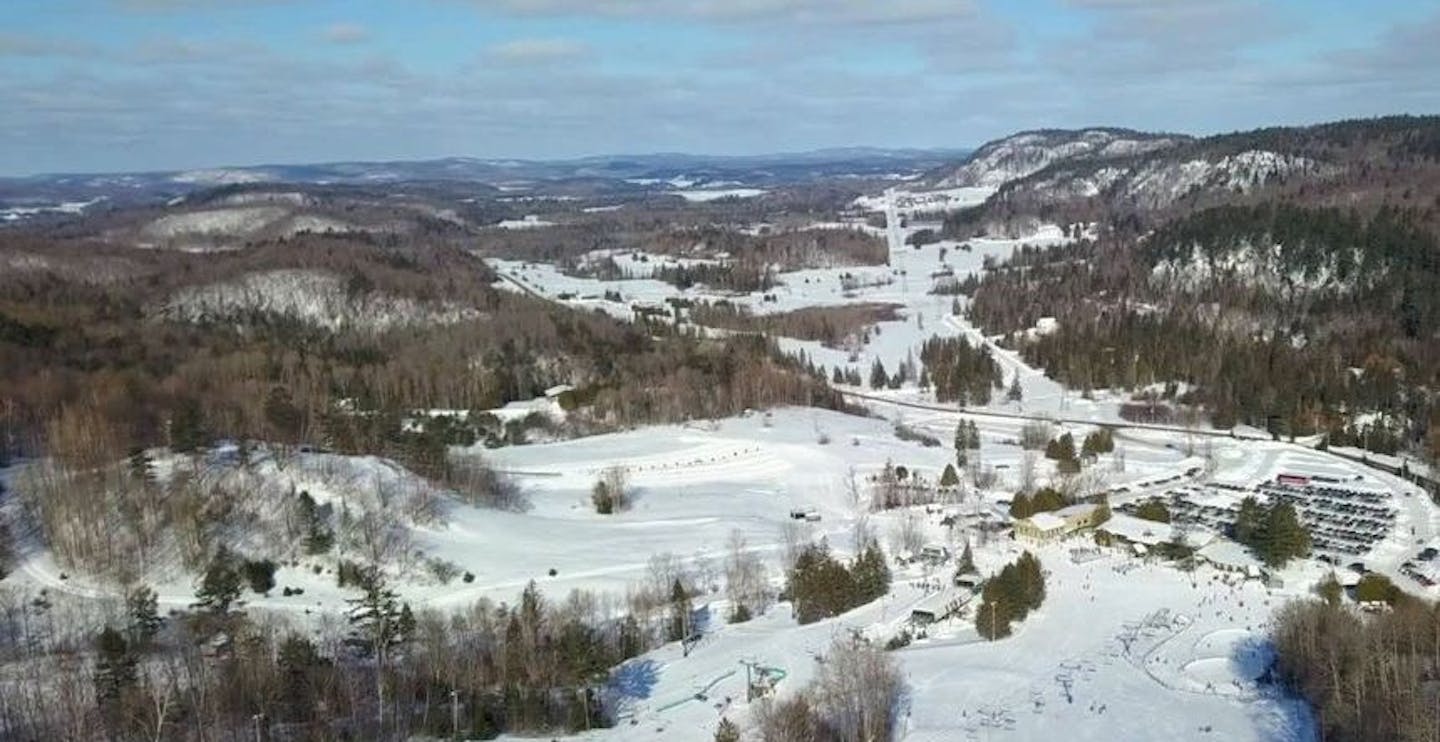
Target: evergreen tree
(1285, 538)
(1249, 522)
(871, 574)
(727, 731)
(1014, 393)
(819, 586)
(115, 675)
(992, 618)
(142, 606)
(319, 538)
(142, 469)
(1046, 500)
(221, 584)
(678, 628)
(1061, 449)
(299, 663)
(878, 378)
(187, 426)
(967, 560)
(949, 478)
(1032, 580)
(378, 621)
(1020, 506)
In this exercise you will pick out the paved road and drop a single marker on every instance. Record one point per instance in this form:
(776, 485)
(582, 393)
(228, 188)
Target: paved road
(1052, 418)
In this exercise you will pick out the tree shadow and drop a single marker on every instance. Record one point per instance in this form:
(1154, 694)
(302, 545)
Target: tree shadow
(634, 680)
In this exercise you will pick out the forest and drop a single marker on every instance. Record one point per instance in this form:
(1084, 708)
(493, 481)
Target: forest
(1368, 677)
(1290, 319)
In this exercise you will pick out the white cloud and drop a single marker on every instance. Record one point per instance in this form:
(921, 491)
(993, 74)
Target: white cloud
(807, 11)
(346, 33)
(537, 50)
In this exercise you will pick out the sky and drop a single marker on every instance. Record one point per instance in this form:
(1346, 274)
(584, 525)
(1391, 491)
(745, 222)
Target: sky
(138, 85)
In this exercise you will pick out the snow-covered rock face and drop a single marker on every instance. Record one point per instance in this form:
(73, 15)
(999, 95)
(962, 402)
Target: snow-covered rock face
(315, 298)
(1265, 268)
(1157, 183)
(1015, 157)
(1160, 184)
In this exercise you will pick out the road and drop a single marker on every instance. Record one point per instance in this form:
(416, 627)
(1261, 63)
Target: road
(1052, 418)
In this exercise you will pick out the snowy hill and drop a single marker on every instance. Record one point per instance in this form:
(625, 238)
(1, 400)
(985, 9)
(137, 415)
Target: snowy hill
(1019, 155)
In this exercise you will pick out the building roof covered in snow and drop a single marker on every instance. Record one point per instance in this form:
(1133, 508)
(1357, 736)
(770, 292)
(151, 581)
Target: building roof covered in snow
(1138, 530)
(1227, 554)
(1047, 521)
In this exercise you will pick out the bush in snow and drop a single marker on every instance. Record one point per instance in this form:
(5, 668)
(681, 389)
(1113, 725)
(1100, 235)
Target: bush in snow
(611, 493)
(442, 571)
(259, 574)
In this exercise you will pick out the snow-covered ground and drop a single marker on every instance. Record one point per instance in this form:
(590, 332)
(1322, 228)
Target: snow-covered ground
(700, 195)
(1128, 638)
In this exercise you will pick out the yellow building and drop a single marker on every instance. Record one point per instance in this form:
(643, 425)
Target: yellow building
(1047, 527)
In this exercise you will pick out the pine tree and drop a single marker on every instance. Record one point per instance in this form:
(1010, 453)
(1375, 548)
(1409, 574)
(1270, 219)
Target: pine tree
(727, 731)
(142, 605)
(966, 564)
(221, 584)
(318, 537)
(142, 469)
(678, 628)
(1032, 579)
(1061, 449)
(115, 674)
(878, 378)
(1014, 393)
(1249, 522)
(187, 426)
(1046, 500)
(1285, 538)
(377, 619)
(992, 618)
(949, 478)
(871, 574)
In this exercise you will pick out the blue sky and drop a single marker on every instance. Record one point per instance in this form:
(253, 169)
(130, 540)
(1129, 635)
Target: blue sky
(100, 85)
